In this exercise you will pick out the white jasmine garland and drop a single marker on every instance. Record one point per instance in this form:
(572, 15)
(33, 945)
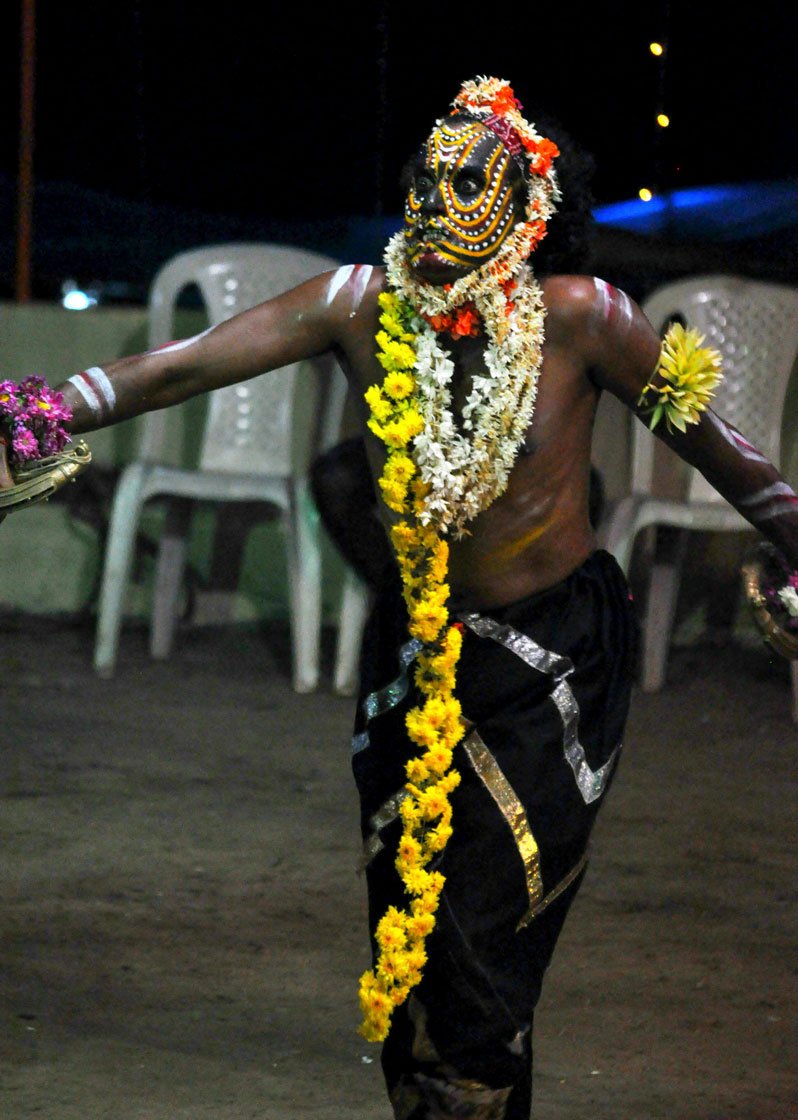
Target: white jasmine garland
(467, 468)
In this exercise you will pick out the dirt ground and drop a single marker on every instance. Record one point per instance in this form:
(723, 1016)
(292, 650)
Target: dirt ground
(182, 925)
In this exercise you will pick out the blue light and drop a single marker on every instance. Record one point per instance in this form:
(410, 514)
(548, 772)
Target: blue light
(78, 301)
(722, 212)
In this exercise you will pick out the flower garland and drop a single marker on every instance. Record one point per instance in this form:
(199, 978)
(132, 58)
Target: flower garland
(437, 477)
(690, 375)
(466, 470)
(32, 419)
(467, 467)
(435, 726)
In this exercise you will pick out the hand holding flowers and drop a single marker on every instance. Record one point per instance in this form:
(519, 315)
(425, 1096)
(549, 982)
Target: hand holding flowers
(34, 459)
(32, 419)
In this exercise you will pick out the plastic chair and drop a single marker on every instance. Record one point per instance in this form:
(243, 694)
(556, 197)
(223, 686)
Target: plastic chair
(754, 325)
(259, 439)
(355, 602)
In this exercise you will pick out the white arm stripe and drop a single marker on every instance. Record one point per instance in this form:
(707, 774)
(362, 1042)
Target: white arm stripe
(768, 492)
(181, 344)
(86, 391)
(100, 381)
(361, 283)
(338, 280)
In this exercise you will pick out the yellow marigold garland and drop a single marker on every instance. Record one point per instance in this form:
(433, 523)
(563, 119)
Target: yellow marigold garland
(435, 725)
(690, 375)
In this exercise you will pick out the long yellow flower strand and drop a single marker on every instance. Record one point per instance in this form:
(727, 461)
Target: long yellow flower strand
(690, 375)
(436, 725)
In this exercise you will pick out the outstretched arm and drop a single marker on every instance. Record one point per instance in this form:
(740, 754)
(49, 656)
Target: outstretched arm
(299, 324)
(744, 476)
(623, 354)
(333, 311)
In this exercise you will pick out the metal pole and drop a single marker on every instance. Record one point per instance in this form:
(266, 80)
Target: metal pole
(26, 143)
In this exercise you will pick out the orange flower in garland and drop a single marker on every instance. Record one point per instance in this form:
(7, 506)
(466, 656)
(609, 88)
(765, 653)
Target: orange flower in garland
(464, 322)
(504, 100)
(435, 724)
(542, 153)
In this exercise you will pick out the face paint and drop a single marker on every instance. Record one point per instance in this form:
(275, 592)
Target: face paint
(461, 205)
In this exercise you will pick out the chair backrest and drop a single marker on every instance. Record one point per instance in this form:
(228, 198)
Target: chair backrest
(270, 424)
(754, 326)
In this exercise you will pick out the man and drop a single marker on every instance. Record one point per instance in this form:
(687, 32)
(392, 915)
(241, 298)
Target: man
(500, 655)
(341, 480)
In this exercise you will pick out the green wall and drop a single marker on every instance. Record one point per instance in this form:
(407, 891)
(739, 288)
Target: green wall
(50, 560)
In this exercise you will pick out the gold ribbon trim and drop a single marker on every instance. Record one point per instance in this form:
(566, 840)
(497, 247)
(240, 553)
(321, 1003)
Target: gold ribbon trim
(512, 810)
(493, 778)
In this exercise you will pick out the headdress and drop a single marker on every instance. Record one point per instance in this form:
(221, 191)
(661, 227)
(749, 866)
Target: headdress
(492, 102)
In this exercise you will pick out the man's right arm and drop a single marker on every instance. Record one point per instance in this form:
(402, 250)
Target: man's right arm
(300, 323)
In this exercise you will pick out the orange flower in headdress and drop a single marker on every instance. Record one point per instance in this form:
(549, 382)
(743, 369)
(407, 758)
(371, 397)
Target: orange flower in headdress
(503, 100)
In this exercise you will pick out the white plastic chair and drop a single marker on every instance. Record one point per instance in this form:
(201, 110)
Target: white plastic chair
(259, 439)
(754, 325)
(355, 602)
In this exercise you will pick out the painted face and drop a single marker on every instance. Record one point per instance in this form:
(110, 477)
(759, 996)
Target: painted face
(462, 202)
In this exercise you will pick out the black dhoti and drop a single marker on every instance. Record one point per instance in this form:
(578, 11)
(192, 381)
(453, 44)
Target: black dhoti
(544, 686)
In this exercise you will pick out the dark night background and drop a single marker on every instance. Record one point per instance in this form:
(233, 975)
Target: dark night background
(160, 124)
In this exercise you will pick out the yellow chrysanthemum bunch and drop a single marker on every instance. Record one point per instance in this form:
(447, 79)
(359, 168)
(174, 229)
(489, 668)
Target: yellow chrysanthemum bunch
(435, 725)
(690, 375)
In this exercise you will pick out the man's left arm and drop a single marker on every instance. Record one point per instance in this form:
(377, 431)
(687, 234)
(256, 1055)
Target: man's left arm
(743, 475)
(624, 354)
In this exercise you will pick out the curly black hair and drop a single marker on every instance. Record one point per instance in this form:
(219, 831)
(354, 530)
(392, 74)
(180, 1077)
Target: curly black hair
(567, 246)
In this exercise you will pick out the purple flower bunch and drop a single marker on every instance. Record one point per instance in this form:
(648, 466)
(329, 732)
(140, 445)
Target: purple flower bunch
(32, 419)
(780, 588)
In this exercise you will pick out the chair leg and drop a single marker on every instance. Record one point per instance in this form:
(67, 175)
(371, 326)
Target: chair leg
(794, 684)
(355, 599)
(663, 593)
(304, 584)
(171, 565)
(116, 572)
(619, 529)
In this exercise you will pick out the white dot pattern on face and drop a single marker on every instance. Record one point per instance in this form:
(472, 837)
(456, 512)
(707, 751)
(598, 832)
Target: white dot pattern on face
(472, 231)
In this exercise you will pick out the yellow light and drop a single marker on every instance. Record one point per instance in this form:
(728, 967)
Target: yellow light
(663, 120)
(656, 48)
(645, 194)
